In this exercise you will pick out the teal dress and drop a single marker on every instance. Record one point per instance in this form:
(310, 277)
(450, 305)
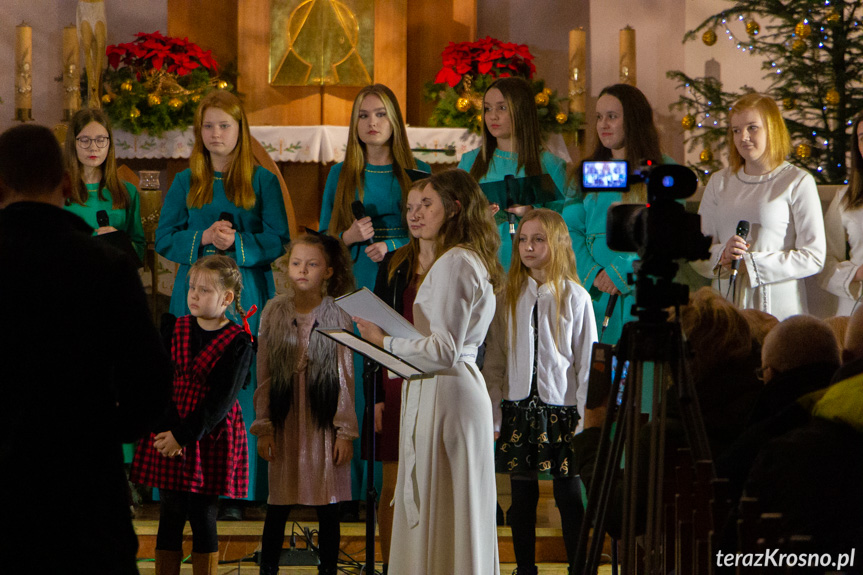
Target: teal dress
(261, 234)
(126, 220)
(504, 164)
(382, 198)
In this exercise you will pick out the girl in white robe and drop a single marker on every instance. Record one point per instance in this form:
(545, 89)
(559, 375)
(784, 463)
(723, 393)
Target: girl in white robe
(786, 242)
(444, 516)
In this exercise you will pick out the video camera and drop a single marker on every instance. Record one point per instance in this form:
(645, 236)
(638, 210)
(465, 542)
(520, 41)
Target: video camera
(660, 231)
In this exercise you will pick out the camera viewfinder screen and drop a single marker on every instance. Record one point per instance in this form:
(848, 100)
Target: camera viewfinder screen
(609, 175)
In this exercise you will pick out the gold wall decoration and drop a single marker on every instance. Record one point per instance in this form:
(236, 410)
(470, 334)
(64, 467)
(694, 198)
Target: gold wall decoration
(322, 42)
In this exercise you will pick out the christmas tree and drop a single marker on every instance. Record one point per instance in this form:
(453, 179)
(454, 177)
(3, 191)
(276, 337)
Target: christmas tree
(813, 58)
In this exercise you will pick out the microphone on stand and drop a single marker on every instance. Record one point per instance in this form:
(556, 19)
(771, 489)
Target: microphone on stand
(359, 211)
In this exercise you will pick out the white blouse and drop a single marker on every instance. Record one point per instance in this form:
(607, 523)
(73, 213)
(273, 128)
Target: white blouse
(843, 228)
(562, 370)
(786, 236)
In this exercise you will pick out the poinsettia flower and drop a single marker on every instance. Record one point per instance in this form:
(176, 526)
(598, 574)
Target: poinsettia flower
(447, 76)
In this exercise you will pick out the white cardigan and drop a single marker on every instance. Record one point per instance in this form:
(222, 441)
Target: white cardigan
(786, 235)
(838, 276)
(562, 370)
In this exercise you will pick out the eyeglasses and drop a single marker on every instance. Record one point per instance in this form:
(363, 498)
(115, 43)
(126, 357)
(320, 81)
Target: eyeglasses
(101, 141)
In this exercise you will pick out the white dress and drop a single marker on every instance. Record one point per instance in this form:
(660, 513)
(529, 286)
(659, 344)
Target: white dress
(786, 236)
(444, 517)
(843, 227)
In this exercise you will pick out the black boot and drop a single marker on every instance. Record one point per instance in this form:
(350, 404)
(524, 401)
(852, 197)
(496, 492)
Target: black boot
(269, 570)
(526, 570)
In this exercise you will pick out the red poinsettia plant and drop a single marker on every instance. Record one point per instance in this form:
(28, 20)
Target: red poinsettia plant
(485, 56)
(154, 51)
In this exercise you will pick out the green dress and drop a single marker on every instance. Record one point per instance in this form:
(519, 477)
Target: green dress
(382, 199)
(505, 164)
(261, 233)
(126, 219)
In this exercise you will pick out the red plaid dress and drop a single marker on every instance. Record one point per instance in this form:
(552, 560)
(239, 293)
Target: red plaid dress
(217, 464)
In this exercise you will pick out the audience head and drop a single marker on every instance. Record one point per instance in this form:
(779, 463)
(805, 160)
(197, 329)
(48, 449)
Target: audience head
(839, 325)
(798, 341)
(852, 349)
(92, 127)
(760, 323)
(467, 221)
(31, 166)
(716, 330)
(756, 133)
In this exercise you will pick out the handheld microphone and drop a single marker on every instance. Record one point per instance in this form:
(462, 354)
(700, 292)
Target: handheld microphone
(509, 179)
(227, 217)
(359, 211)
(743, 232)
(102, 219)
(609, 310)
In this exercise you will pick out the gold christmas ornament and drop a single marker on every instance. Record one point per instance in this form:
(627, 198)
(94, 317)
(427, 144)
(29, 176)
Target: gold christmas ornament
(709, 37)
(798, 47)
(196, 98)
(134, 113)
(688, 122)
(561, 118)
(803, 29)
(833, 17)
(462, 105)
(479, 119)
(706, 155)
(832, 97)
(541, 99)
(803, 151)
(153, 100)
(547, 92)
(789, 103)
(175, 103)
(752, 28)
(126, 86)
(222, 85)
(107, 98)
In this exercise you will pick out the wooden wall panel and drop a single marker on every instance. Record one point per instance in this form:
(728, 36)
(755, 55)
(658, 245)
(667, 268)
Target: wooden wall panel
(432, 24)
(212, 28)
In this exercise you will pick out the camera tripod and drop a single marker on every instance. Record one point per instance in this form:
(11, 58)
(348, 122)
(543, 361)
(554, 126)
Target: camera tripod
(651, 340)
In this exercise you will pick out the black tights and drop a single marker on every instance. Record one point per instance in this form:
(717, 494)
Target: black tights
(201, 511)
(329, 534)
(522, 515)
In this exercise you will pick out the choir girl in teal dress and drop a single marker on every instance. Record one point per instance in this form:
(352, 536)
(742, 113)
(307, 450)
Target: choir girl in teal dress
(223, 184)
(373, 173)
(511, 145)
(92, 167)
(625, 131)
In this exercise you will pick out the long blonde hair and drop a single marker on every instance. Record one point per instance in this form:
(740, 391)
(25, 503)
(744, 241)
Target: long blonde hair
(119, 194)
(468, 222)
(560, 267)
(353, 170)
(527, 138)
(238, 177)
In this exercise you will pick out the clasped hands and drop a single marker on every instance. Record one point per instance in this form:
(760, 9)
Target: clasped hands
(165, 444)
(220, 234)
(362, 230)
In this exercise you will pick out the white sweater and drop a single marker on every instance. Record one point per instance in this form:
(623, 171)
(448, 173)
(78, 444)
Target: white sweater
(786, 235)
(562, 370)
(843, 227)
